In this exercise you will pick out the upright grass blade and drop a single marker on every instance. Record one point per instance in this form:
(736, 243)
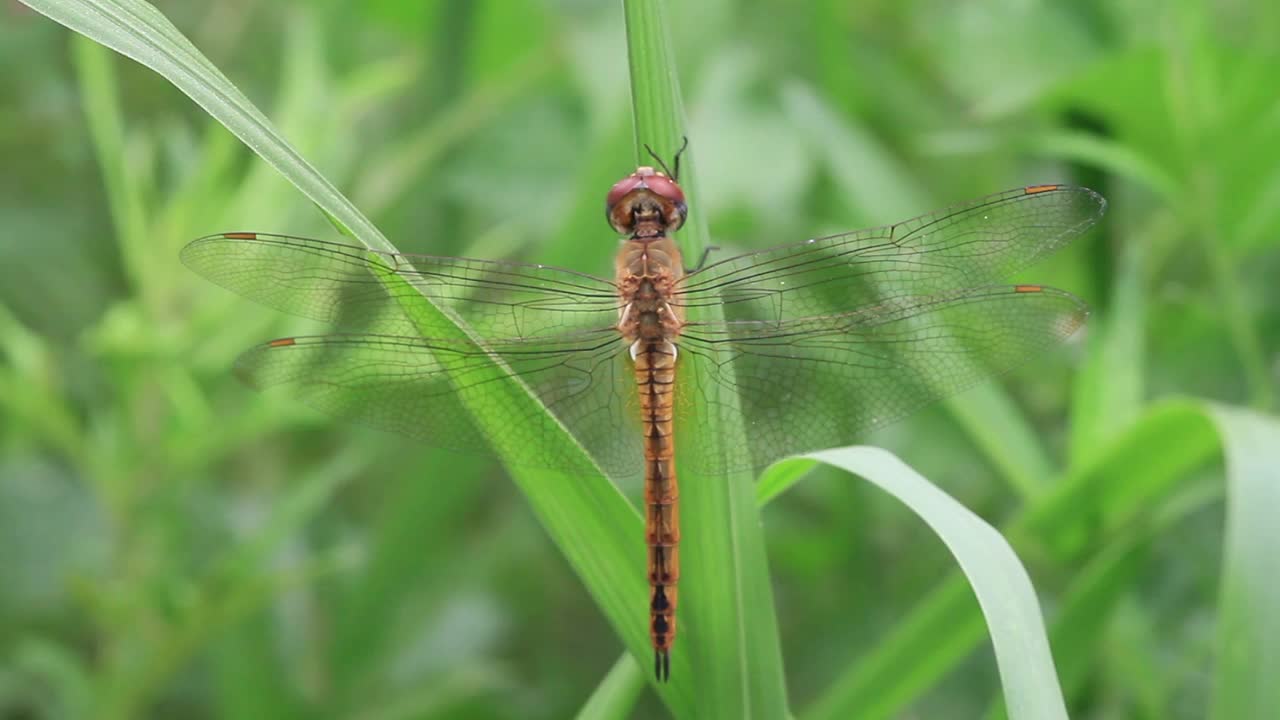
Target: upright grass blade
(727, 637)
(590, 521)
(100, 93)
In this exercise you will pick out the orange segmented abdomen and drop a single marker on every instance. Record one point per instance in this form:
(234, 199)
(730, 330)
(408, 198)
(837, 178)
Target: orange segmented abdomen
(655, 380)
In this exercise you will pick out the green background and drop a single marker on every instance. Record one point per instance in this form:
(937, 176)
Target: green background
(174, 545)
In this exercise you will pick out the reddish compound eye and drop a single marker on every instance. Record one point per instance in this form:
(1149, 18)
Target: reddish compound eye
(666, 188)
(621, 188)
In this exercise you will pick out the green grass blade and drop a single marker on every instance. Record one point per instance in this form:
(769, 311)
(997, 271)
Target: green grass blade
(779, 477)
(727, 636)
(1148, 462)
(617, 693)
(1248, 657)
(1085, 611)
(1249, 603)
(100, 93)
(1139, 474)
(998, 579)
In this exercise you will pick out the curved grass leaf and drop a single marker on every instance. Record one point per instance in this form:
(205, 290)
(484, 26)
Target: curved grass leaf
(1142, 472)
(1085, 611)
(998, 579)
(1168, 444)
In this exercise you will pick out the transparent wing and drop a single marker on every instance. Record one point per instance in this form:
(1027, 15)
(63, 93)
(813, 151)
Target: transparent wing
(335, 283)
(969, 245)
(821, 340)
(818, 382)
(433, 390)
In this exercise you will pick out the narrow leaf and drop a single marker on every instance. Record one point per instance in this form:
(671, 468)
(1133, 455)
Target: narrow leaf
(617, 693)
(998, 579)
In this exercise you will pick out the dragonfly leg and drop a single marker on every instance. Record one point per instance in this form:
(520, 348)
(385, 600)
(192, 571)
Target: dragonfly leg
(702, 260)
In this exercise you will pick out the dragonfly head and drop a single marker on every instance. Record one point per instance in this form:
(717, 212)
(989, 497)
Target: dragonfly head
(646, 203)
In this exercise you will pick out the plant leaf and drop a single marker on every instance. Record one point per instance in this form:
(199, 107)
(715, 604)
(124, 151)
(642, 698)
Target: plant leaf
(1139, 473)
(617, 693)
(998, 579)
(1249, 605)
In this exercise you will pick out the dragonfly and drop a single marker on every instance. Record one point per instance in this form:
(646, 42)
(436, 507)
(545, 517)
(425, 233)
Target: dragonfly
(803, 345)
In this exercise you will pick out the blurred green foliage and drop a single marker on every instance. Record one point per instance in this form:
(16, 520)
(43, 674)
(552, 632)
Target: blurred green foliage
(174, 545)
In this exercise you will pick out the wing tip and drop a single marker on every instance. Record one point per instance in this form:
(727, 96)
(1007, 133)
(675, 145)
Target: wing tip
(1071, 319)
(248, 368)
(189, 255)
(1028, 289)
(1078, 190)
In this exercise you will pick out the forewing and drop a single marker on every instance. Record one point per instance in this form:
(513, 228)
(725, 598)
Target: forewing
(818, 382)
(975, 244)
(338, 284)
(433, 390)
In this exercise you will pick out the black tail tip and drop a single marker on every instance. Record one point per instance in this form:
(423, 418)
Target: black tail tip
(661, 665)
